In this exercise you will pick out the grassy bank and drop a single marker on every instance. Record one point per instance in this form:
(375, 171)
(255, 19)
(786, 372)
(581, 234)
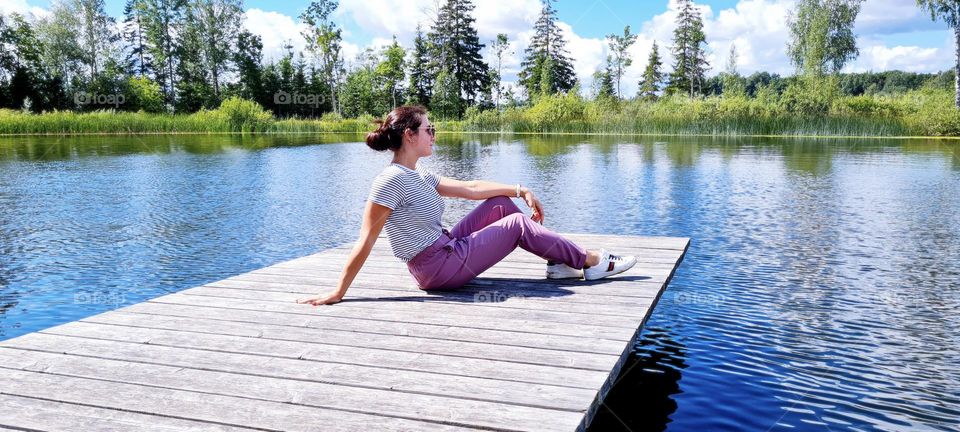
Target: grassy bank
(927, 112)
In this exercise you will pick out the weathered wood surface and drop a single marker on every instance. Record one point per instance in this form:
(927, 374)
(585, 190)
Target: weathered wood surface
(510, 351)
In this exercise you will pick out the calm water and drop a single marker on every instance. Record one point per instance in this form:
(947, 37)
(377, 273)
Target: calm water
(821, 289)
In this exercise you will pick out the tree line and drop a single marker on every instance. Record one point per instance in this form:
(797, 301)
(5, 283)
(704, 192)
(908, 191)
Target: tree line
(182, 56)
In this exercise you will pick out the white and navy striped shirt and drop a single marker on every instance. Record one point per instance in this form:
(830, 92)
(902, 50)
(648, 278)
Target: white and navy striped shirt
(417, 208)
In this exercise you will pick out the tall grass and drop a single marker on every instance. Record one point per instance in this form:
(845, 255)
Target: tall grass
(927, 112)
(797, 112)
(233, 115)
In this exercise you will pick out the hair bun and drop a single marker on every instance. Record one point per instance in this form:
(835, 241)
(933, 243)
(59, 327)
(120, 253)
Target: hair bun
(389, 132)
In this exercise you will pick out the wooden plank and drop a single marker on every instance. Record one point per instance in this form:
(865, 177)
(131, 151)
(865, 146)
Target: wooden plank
(492, 311)
(455, 412)
(254, 318)
(257, 323)
(297, 361)
(510, 299)
(178, 404)
(27, 413)
(449, 350)
(518, 324)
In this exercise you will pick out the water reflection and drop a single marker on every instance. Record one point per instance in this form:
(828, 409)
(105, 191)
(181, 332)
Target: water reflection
(820, 289)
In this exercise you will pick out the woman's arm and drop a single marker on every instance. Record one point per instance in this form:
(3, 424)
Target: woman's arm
(482, 189)
(374, 217)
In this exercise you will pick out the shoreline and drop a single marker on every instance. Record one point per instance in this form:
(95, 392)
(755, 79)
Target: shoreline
(647, 134)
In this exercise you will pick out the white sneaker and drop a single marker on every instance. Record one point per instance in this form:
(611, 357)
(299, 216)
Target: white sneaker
(609, 265)
(559, 270)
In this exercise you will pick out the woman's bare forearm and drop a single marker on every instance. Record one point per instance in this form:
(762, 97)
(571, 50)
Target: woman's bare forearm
(483, 189)
(354, 263)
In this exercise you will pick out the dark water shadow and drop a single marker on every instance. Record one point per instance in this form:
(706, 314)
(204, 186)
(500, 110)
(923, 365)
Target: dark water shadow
(643, 397)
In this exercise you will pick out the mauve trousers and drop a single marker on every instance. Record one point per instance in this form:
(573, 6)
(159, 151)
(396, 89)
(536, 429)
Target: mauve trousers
(483, 238)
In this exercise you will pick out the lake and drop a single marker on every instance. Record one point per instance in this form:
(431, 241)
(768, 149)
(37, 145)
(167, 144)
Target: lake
(821, 289)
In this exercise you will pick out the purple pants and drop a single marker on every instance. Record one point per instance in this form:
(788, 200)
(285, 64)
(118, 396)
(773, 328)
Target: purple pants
(483, 238)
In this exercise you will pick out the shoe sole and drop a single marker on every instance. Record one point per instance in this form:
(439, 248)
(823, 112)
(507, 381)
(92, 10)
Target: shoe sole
(554, 276)
(614, 273)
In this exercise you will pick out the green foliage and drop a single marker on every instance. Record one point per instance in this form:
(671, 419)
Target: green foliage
(456, 47)
(143, 94)
(619, 59)
(546, 61)
(446, 101)
(418, 88)
(245, 116)
(810, 95)
(652, 76)
(821, 35)
(553, 112)
(919, 112)
(690, 61)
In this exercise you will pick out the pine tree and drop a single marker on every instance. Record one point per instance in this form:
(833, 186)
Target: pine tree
(247, 57)
(546, 59)
(603, 81)
(138, 59)
(652, 76)
(162, 20)
(690, 62)
(418, 89)
(456, 46)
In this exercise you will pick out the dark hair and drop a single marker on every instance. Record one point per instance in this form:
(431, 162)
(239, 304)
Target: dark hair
(389, 133)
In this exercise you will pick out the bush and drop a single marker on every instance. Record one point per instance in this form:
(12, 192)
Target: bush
(866, 106)
(144, 94)
(810, 96)
(242, 115)
(553, 111)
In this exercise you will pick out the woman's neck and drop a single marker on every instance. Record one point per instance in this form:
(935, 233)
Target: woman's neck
(405, 160)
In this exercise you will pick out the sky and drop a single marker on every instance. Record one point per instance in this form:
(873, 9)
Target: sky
(891, 34)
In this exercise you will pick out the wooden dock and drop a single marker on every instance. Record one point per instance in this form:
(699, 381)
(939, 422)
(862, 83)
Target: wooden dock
(511, 351)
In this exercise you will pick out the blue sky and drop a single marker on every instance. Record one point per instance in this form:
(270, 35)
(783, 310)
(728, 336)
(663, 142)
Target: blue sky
(892, 34)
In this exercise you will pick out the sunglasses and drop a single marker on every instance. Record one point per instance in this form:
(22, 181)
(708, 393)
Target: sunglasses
(431, 130)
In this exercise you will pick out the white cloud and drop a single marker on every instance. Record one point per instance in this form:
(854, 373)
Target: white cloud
(876, 56)
(504, 16)
(385, 18)
(21, 7)
(275, 30)
(891, 16)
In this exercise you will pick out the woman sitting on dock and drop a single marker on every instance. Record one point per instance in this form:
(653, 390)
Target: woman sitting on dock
(406, 199)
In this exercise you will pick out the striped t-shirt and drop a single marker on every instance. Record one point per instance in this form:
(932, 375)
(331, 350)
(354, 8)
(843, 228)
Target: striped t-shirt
(417, 208)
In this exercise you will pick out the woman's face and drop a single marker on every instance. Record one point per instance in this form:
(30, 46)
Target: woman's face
(422, 141)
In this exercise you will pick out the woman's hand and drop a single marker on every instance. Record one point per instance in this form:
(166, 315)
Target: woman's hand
(534, 204)
(325, 299)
